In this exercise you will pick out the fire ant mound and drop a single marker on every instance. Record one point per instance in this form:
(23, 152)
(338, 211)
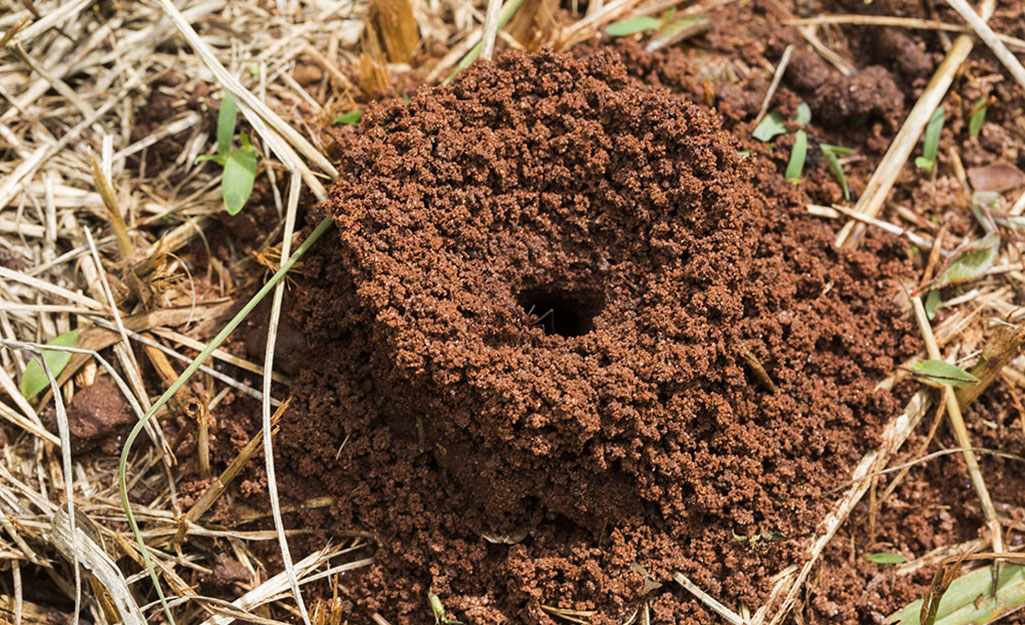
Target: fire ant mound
(560, 334)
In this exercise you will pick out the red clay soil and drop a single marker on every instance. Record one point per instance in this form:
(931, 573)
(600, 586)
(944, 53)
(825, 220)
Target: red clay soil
(531, 333)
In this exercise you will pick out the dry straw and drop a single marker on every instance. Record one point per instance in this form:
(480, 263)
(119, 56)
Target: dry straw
(82, 150)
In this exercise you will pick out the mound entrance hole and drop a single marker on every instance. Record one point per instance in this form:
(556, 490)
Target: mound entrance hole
(560, 312)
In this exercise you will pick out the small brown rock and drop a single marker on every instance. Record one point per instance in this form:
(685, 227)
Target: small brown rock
(893, 45)
(998, 177)
(228, 570)
(97, 415)
(807, 70)
(307, 74)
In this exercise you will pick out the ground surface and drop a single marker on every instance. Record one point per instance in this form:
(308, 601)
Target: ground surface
(522, 369)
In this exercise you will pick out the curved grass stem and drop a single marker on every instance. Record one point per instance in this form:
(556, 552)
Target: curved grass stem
(239, 317)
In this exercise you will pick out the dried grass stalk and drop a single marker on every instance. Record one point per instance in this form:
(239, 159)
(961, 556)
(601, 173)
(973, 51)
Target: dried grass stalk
(397, 28)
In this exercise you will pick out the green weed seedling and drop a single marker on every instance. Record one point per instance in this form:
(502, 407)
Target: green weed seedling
(438, 609)
(886, 558)
(833, 154)
(239, 163)
(34, 380)
(351, 118)
(931, 142)
(978, 116)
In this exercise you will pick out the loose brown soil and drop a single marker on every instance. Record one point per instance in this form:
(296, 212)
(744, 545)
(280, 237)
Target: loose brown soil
(530, 331)
(528, 336)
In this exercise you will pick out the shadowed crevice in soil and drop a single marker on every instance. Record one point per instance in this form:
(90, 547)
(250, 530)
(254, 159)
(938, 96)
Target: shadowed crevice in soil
(529, 327)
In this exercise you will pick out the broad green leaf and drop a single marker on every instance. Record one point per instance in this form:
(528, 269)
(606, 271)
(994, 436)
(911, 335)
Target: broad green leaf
(798, 154)
(943, 372)
(886, 558)
(238, 179)
(632, 26)
(771, 126)
(803, 114)
(977, 118)
(351, 118)
(969, 261)
(931, 142)
(35, 378)
(970, 600)
(226, 124)
(833, 154)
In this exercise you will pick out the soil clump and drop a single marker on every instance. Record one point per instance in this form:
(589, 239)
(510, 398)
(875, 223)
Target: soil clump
(534, 334)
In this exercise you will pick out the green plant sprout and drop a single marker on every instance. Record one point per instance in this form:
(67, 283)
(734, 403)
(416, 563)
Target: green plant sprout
(931, 142)
(798, 154)
(832, 153)
(886, 558)
(351, 118)
(646, 23)
(633, 26)
(771, 126)
(239, 164)
(803, 114)
(978, 116)
(34, 379)
(438, 609)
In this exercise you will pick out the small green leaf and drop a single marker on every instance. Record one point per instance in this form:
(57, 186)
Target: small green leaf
(351, 118)
(743, 154)
(803, 114)
(798, 154)
(943, 372)
(833, 154)
(226, 124)
(969, 261)
(217, 158)
(632, 26)
(436, 607)
(931, 142)
(886, 558)
(932, 302)
(239, 176)
(35, 378)
(770, 127)
(978, 117)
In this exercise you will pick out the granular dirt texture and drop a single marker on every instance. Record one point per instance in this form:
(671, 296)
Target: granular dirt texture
(537, 334)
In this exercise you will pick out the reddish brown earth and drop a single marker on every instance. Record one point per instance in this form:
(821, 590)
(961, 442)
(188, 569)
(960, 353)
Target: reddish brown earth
(530, 328)
(439, 408)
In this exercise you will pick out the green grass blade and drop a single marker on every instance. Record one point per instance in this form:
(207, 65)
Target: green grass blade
(977, 118)
(931, 142)
(239, 317)
(798, 154)
(226, 124)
